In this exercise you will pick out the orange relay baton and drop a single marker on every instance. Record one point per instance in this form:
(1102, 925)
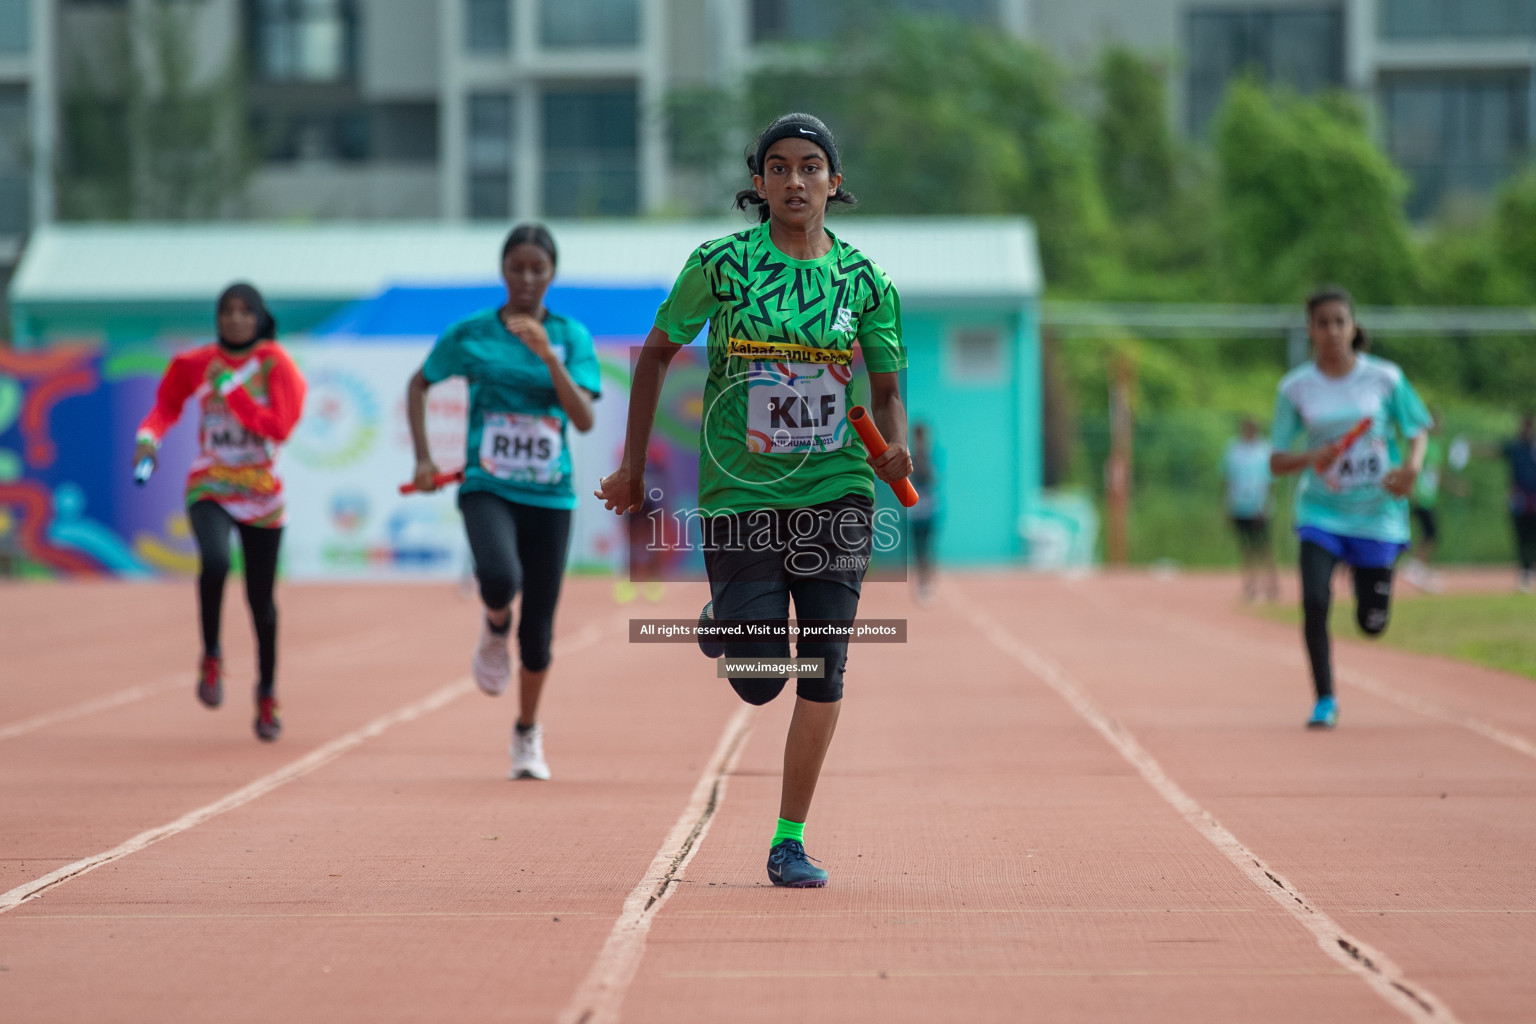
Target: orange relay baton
(1344, 443)
(870, 435)
(441, 480)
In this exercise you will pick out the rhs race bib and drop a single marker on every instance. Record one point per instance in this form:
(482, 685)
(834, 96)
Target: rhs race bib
(525, 448)
(1363, 465)
(797, 397)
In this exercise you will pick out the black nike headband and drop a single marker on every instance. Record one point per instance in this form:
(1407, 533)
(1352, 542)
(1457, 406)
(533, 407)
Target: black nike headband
(793, 127)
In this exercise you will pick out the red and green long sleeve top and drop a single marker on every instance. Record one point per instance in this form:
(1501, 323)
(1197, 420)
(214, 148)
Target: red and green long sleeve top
(248, 404)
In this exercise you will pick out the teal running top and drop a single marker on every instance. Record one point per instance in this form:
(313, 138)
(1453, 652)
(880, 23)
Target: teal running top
(517, 429)
(1349, 500)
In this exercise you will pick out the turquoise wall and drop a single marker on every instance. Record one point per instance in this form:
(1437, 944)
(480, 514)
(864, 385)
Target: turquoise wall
(988, 430)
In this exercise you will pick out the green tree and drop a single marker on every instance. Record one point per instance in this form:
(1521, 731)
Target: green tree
(1307, 197)
(1137, 158)
(1515, 228)
(144, 137)
(1162, 194)
(934, 116)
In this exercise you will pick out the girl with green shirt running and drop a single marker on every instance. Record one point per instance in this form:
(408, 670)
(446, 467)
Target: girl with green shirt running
(530, 372)
(787, 494)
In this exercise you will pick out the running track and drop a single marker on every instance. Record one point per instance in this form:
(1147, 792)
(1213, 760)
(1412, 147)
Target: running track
(1071, 801)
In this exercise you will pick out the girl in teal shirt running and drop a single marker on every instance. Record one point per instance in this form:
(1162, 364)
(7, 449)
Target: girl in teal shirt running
(531, 372)
(1351, 503)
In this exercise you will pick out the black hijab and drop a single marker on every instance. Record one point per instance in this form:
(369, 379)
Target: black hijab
(266, 326)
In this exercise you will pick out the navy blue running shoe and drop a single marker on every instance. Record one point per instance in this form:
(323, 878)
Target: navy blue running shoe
(712, 647)
(789, 866)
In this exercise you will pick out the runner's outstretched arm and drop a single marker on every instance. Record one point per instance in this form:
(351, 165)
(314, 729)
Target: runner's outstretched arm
(416, 416)
(623, 490)
(895, 463)
(1400, 480)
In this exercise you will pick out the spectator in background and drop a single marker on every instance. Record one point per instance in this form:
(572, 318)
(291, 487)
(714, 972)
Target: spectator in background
(922, 518)
(1245, 471)
(1520, 453)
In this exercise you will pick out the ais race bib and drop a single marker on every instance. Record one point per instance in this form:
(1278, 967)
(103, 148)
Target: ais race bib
(1363, 465)
(526, 448)
(797, 397)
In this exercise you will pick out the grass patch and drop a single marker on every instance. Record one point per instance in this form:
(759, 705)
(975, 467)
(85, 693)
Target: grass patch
(1494, 630)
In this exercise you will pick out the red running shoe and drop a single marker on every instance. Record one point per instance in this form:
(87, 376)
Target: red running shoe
(269, 724)
(210, 681)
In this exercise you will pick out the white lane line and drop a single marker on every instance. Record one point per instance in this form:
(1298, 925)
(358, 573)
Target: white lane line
(598, 998)
(1381, 974)
(1430, 709)
(1290, 656)
(90, 707)
(368, 642)
(321, 755)
(303, 766)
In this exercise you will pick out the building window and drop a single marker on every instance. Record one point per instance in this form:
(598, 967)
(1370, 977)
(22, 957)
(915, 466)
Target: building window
(975, 355)
(303, 40)
(405, 132)
(15, 27)
(573, 23)
(1456, 132)
(1422, 19)
(285, 135)
(487, 26)
(1300, 47)
(590, 153)
(777, 21)
(490, 156)
(15, 144)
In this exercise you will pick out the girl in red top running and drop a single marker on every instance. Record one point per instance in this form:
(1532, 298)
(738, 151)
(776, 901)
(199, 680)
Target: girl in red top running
(249, 396)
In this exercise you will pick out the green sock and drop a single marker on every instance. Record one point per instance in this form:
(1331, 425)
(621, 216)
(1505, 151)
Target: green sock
(789, 830)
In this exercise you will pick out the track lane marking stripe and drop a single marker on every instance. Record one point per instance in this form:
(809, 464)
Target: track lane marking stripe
(321, 755)
(1384, 977)
(1290, 656)
(176, 681)
(90, 707)
(601, 993)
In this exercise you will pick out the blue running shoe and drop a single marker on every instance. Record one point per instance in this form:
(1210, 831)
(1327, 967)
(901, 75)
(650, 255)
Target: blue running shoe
(1325, 714)
(713, 648)
(789, 866)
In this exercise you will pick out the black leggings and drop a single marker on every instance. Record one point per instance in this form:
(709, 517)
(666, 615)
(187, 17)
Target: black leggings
(769, 602)
(519, 548)
(1525, 539)
(1373, 607)
(211, 525)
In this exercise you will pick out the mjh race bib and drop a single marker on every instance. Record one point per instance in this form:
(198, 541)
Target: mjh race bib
(797, 397)
(227, 441)
(525, 448)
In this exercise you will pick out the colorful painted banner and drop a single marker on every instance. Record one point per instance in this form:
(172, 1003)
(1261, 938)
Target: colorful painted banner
(68, 503)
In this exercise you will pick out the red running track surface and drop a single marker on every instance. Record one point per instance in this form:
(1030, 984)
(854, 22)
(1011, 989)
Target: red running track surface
(1001, 814)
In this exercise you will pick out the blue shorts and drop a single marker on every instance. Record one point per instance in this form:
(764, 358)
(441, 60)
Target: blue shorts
(1360, 552)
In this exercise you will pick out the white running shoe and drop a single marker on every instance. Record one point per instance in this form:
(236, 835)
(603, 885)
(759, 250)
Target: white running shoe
(492, 663)
(527, 752)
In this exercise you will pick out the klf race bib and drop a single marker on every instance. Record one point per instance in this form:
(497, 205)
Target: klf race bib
(227, 441)
(1364, 465)
(797, 397)
(525, 448)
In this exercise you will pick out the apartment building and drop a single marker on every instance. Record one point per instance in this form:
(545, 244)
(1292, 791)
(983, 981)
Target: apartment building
(1451, 82)
(497, 109)
(414, 109)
